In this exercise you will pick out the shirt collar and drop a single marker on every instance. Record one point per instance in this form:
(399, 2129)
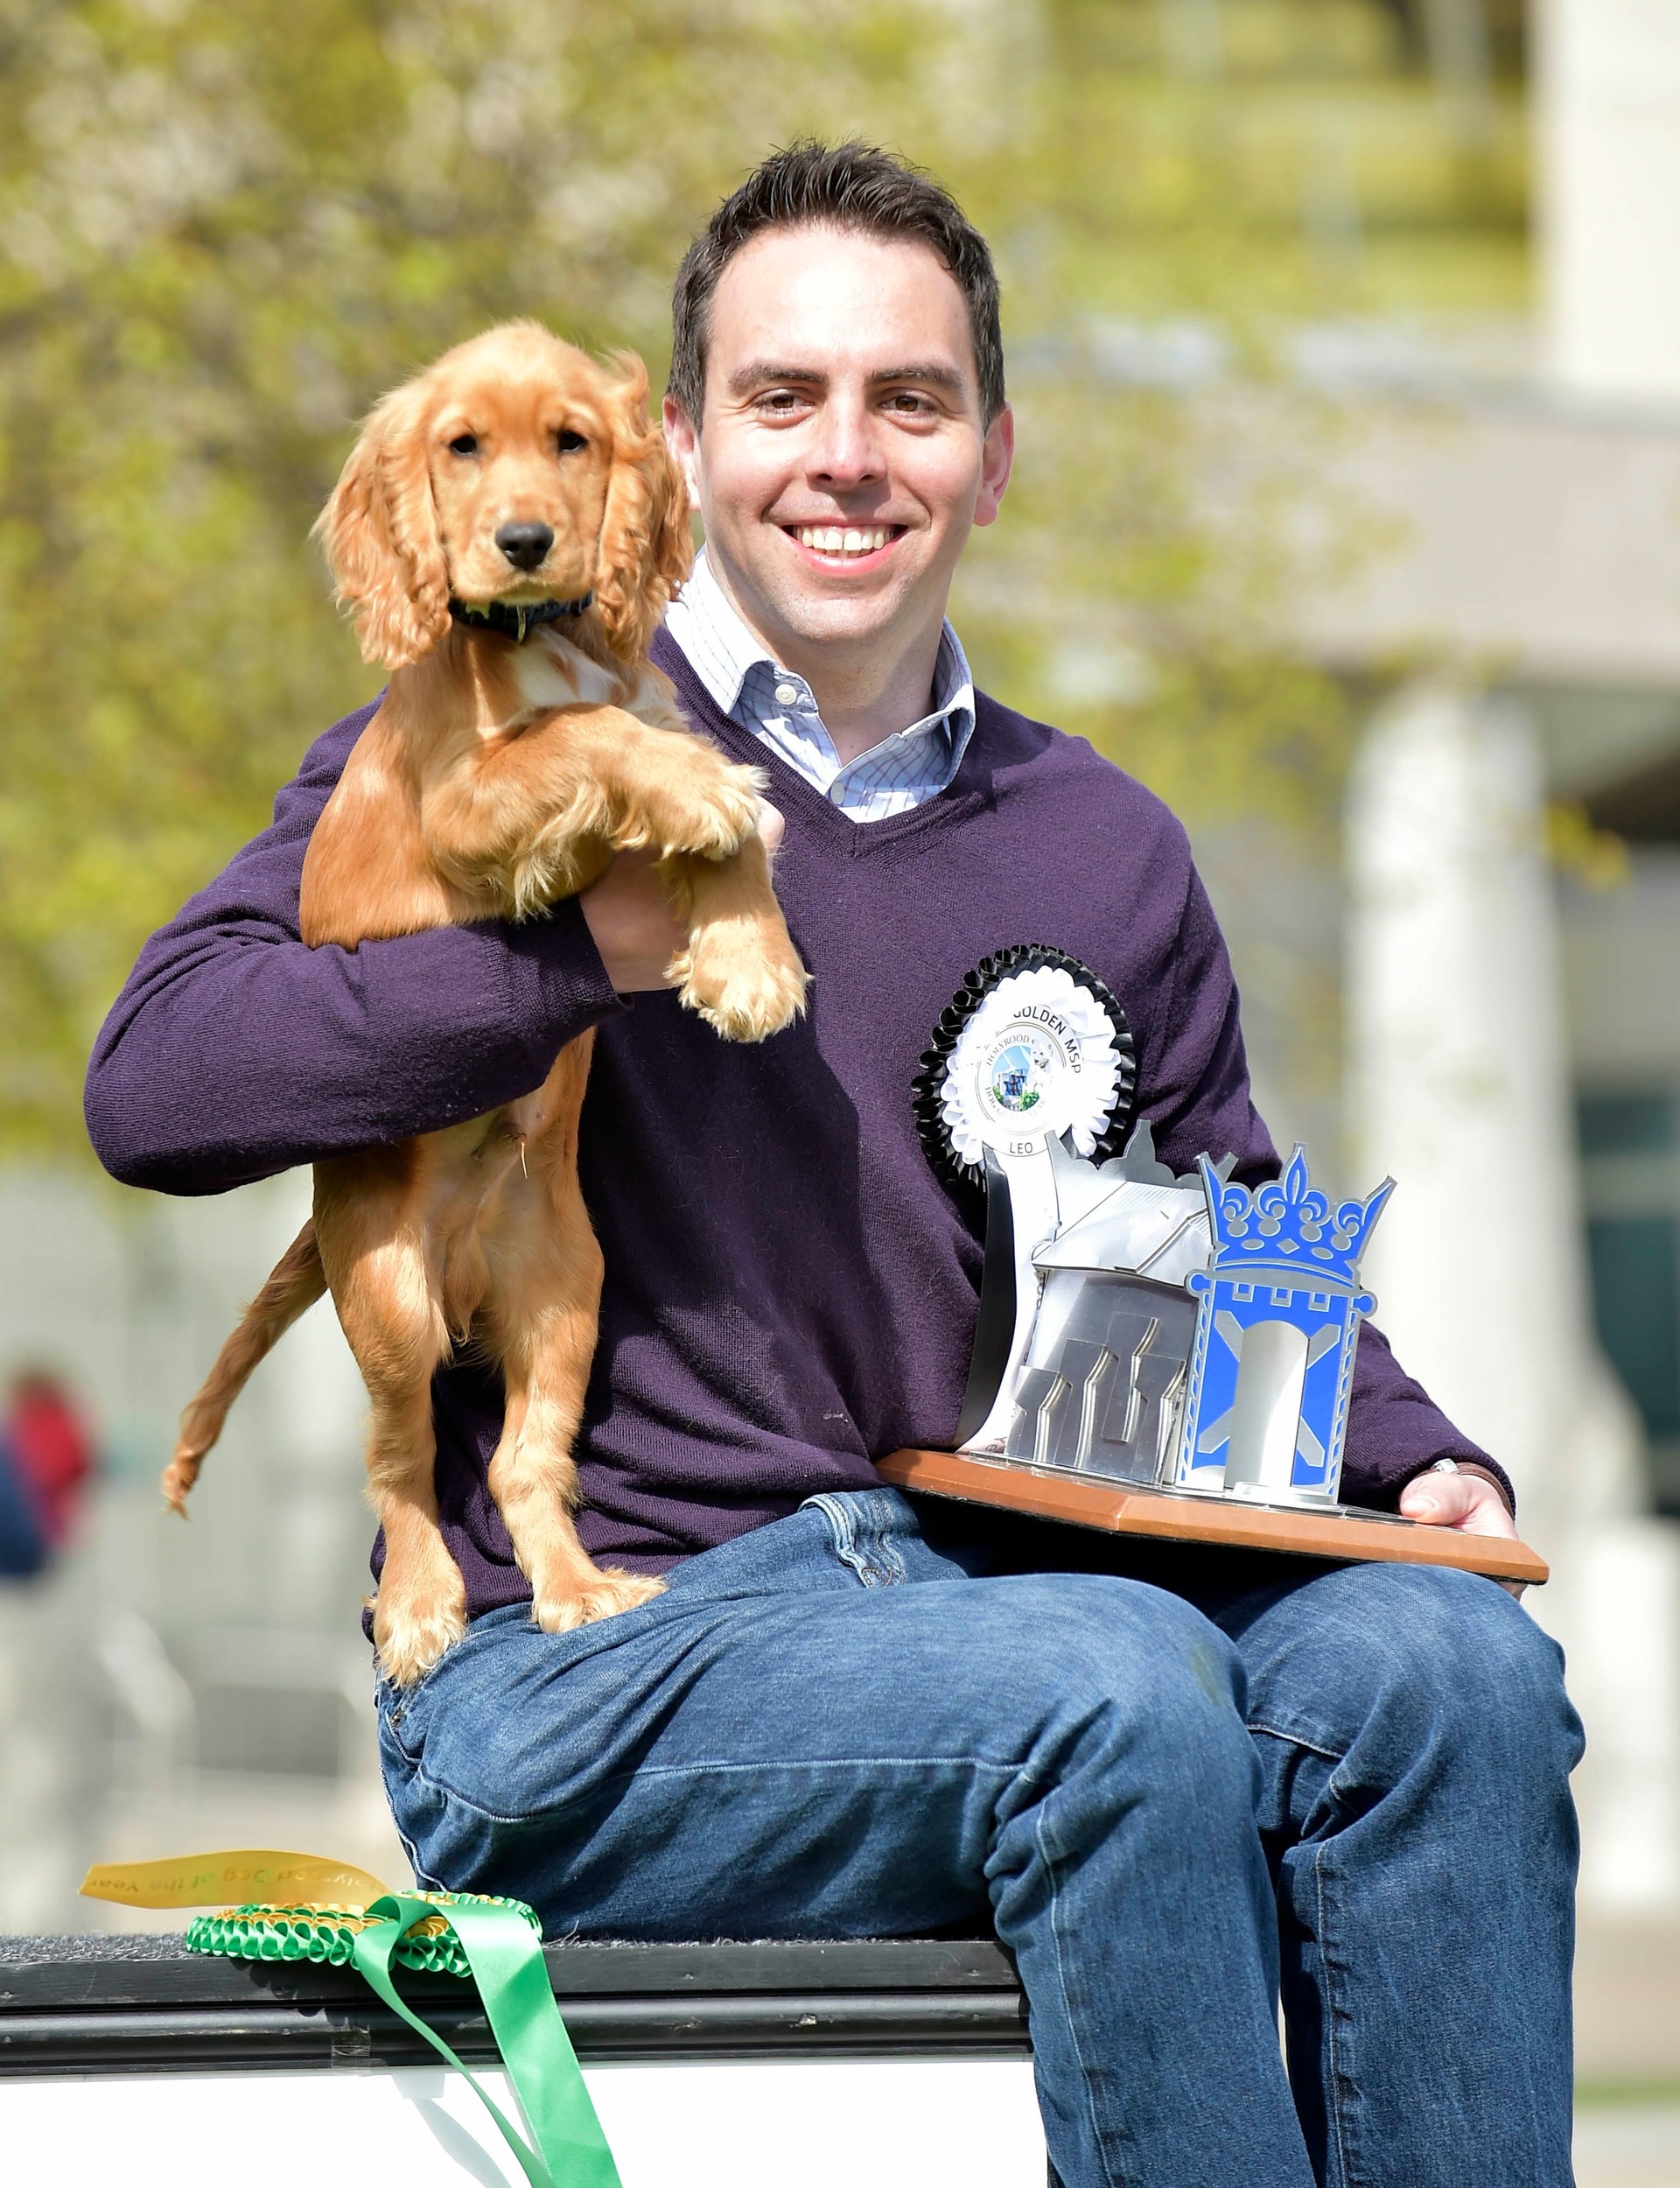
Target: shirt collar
(723, 653)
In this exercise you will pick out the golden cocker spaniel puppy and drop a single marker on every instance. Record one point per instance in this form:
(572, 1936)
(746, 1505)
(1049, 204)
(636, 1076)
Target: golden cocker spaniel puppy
(507, 529)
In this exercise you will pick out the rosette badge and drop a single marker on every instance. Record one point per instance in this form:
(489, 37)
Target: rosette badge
(1033, 1068)
(1033, 1048)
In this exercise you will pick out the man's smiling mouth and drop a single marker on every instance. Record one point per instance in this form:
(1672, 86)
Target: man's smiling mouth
(845, 539)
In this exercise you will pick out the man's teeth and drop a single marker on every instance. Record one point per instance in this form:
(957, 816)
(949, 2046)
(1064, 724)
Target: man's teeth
(833, 539)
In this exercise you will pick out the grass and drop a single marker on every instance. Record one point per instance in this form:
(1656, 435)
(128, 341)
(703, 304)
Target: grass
(1599, 2095)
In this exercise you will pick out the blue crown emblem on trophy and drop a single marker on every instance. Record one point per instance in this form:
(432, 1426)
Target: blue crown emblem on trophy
(1276, 1331)
(1288, 1226)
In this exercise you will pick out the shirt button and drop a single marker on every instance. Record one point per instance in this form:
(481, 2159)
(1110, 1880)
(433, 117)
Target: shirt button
(838, 793)
(786, 695)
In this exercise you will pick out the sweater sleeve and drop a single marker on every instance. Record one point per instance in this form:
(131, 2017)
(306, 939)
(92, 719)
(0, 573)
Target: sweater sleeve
(1193, 1087)
(234, 1051)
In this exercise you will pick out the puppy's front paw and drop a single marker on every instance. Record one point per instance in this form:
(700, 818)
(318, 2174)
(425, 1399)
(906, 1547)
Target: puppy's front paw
(613, 1591)
(744, 987)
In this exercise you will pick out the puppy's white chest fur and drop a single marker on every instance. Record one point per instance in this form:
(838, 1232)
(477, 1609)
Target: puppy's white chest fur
(552, 671)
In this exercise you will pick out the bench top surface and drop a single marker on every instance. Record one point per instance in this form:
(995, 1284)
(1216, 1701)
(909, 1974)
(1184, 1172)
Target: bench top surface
(40, 1974)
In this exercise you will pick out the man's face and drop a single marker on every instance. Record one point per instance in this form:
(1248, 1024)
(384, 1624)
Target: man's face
(841, 458)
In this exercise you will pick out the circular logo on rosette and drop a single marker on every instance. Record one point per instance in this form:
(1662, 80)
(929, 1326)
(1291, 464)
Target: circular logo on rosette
(1033, 1047)
(1019, 1068)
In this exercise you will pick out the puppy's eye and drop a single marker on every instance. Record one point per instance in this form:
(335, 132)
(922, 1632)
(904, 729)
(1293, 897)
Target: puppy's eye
(568, 442)
(463, 444)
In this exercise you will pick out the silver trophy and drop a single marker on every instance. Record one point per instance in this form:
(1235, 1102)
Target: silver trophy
(1177, 1333)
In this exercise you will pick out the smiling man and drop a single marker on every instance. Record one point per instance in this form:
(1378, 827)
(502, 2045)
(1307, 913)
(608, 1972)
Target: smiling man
(1172, 1784)
(840, 446)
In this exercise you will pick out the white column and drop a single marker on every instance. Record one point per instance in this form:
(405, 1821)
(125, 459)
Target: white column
(1459, 1083)
(1608, 167)
(1459, 1087)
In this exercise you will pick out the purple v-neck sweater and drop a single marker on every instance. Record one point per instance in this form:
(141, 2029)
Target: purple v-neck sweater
(790, 1292)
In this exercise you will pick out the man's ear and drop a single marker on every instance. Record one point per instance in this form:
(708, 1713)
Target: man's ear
(682, 438)
(646, 543)
(380, 532)
(996, 461)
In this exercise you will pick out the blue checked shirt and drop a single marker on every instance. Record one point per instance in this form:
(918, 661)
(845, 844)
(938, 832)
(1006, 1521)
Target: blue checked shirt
(777, 706)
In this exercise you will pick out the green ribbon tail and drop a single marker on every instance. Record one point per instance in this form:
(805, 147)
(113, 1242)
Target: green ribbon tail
(513, 1978)
(507, 1961)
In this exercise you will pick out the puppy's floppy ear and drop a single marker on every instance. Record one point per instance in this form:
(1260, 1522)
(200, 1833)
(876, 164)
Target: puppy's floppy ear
(380, 531)
(647, 544)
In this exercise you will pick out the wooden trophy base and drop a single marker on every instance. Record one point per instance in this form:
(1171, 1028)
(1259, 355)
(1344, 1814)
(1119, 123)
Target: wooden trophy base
(1116, 1508)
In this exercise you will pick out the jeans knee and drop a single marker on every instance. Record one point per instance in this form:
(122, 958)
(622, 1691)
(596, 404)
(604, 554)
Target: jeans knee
(1473, 1646)
(1444, 1656)
(1143, 1687)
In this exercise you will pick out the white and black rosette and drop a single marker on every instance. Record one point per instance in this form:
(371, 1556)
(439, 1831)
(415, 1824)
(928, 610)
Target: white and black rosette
(1032, 1046)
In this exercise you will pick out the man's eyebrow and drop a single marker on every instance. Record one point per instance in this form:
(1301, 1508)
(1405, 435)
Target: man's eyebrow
(928, 375)
(745, 378)
(771, 373)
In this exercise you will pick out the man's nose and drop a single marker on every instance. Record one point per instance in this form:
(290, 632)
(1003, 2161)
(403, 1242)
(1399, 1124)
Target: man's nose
(525, 546)
(847, 451)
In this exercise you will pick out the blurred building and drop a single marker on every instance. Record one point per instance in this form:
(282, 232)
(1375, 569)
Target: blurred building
(1505, 926)
(1514, 1021)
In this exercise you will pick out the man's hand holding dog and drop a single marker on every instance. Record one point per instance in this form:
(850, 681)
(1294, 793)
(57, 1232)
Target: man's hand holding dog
(631, 921)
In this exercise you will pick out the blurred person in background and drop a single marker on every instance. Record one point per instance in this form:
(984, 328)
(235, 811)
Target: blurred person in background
(46, 1456)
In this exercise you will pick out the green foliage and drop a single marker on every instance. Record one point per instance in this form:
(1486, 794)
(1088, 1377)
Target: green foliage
(224, 228)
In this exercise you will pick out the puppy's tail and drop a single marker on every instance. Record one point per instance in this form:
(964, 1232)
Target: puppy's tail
(297, 1281)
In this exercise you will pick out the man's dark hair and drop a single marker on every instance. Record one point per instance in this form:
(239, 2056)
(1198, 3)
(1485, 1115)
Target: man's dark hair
(855, 186)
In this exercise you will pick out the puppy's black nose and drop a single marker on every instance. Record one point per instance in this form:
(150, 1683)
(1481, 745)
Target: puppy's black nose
(525, 546)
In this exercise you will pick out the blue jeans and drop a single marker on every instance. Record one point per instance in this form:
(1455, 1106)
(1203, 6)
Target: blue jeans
(1167, 1799)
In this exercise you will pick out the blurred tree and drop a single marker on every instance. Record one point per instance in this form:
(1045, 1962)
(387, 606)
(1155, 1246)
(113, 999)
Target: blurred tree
(225, 228)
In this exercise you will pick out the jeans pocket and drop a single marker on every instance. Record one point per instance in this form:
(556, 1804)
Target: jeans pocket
(391, 1720)
(394, 1708)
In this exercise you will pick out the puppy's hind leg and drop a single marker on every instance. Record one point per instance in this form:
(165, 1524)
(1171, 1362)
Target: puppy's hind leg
(543, 1311)
(387, 1301)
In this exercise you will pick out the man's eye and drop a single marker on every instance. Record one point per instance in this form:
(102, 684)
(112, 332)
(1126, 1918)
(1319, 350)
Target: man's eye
(463, 444)
(568, 442)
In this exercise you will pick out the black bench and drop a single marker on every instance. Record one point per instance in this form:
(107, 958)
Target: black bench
(112, 2005)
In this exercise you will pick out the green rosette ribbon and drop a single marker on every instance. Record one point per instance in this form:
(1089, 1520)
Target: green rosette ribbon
(497, 1942)
(327, 1934)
